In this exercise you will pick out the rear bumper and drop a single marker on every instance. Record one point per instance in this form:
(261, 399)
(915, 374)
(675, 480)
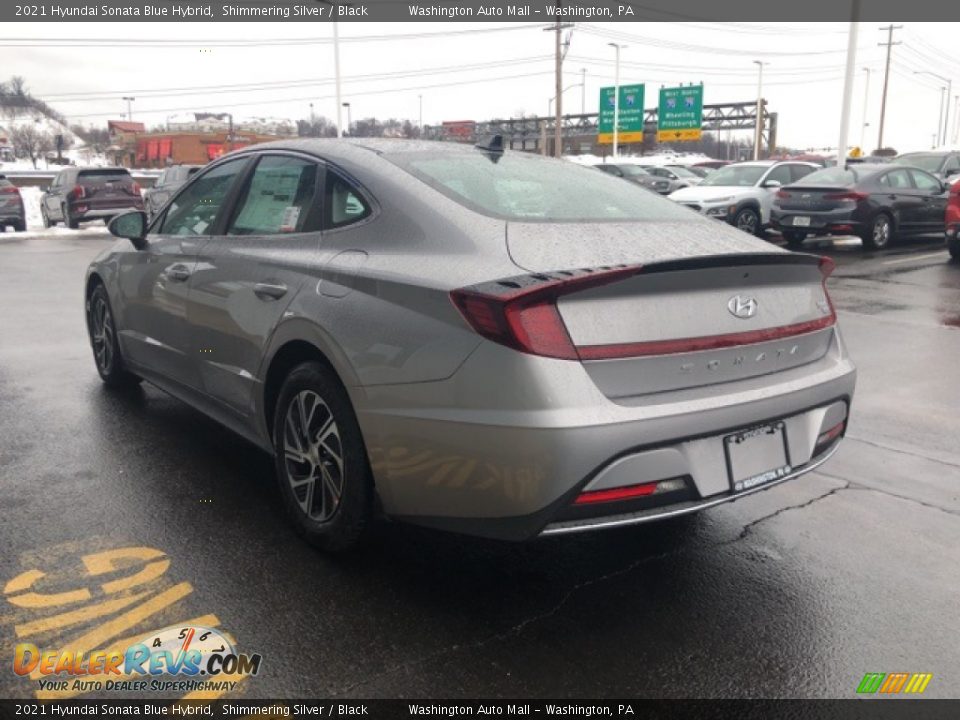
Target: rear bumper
(84, 210)
(537, 435)
(821, 223)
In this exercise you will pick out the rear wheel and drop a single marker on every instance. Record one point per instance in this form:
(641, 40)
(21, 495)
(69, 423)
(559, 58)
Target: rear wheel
(103, 338)
(321, 462)
(20, 226)
(69, 221)
(794, 238)
(747, 220)
(953, 245)
(879, 233)
(46, 219)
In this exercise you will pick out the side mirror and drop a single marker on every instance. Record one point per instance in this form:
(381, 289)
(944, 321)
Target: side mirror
(131, 225)
(771, 184)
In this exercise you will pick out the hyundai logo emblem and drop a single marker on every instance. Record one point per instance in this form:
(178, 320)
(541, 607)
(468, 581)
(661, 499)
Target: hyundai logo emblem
(742, 306)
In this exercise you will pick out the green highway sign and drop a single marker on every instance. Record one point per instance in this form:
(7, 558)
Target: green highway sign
(630, 114)
(680, 113)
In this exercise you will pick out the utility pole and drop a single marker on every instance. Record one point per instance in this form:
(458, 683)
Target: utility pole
(956, 116)
(583, 92)
(886, 77)
(129, 111)
(759, 134)
(848, 81)
(616, 99)
(940, 129)
(863, 125)
(558, 28)
(946, 111)
(420, 122)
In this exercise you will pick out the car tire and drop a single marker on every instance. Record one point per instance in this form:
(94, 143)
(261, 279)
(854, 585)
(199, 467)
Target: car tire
(101, 327)
(953, 245)
(318, 447)
(794, 238)
(748, 220)
(20, 226)
(46, 219)
(879, 234)
(69, 221)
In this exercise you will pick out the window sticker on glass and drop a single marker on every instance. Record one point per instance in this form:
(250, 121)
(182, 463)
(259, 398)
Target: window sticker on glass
(289, 221)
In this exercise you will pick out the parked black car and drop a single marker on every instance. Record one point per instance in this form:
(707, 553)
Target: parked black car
(11, 206)
(636, 174)
(80, 194)
(167, 183)
(876, 202)
(945, 164)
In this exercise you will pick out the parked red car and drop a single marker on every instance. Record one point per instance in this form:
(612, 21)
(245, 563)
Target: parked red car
(953, 221)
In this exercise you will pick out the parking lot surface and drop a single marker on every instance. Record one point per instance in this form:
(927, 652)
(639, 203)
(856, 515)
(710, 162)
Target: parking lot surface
(794, 592)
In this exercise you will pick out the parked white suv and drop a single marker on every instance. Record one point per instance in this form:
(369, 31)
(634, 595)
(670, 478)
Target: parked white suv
(742, 193)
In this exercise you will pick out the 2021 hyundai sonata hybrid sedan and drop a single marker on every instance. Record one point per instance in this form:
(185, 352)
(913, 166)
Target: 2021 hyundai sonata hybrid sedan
(473, 339)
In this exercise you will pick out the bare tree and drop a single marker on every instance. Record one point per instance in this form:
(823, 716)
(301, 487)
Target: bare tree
(31, 142)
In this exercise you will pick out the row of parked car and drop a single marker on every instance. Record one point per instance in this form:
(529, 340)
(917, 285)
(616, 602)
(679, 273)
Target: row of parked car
(915, 194)
(79, 195)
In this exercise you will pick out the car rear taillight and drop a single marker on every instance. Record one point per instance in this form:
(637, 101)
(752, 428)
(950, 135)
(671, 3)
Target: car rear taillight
(852, 196)
(630, 492)
(78, 192)
(9, 190)
(526, 318)
(783, 194)
(135, 189)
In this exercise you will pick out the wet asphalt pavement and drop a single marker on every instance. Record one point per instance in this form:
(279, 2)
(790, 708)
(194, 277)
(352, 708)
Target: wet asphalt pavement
(794, 592)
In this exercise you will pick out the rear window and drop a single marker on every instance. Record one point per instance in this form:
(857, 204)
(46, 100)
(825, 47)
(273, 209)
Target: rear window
(930, 163)
(103, 176)
(529, 188)
(832, 176)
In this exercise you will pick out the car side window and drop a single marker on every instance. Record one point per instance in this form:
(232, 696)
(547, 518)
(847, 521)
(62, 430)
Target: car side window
(781, 174)
(798, 172)
(343, 203)
(161, 179)
(925, 182)
(280, 198)
(196, 207)
(57, 180)
(898, 179)
(953, 163)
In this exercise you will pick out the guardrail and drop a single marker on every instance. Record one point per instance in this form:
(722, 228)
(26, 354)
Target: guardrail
(42, 178)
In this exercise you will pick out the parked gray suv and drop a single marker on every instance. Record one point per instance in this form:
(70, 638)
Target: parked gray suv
(168, 182)
(471, 339)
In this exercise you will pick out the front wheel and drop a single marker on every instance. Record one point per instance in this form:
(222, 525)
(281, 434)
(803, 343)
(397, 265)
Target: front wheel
(879, 234)
(747, 220)
(794, 238)
(103, 339)
(321, 462)
(46, 218)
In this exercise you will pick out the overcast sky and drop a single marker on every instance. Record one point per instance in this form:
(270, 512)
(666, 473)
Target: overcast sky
(481, 70)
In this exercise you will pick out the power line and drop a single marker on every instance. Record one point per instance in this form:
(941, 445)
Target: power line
(287, 84)
(244, 42)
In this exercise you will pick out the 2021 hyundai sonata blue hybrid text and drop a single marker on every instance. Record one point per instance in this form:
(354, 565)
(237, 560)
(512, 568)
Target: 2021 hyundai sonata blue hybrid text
(473, 339)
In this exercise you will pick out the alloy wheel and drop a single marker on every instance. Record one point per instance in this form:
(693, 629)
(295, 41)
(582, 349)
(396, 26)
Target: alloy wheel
(313, 456)
(881, 231)
(747, 221)
(102, 334)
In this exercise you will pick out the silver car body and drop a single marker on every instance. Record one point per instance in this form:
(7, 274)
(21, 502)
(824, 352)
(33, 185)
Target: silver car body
(723, 201)
(468, 434)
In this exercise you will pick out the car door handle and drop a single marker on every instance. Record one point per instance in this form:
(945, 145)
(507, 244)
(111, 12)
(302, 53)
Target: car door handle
(892, 197)
(178, 273)
(269, 291)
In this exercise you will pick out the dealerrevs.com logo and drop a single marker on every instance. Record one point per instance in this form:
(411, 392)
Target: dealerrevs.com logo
(176, 659)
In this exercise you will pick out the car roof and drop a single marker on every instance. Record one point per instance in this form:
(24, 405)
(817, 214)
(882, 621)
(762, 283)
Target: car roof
(357, 149)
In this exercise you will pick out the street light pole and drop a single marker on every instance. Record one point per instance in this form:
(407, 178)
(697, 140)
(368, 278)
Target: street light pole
(420, 122)
(583, 91)
(848, 82)
(941, 121)
(336, 72)
(349, 117)
(616, 98)
(129, 111)
(759, 123)
(866, 95)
